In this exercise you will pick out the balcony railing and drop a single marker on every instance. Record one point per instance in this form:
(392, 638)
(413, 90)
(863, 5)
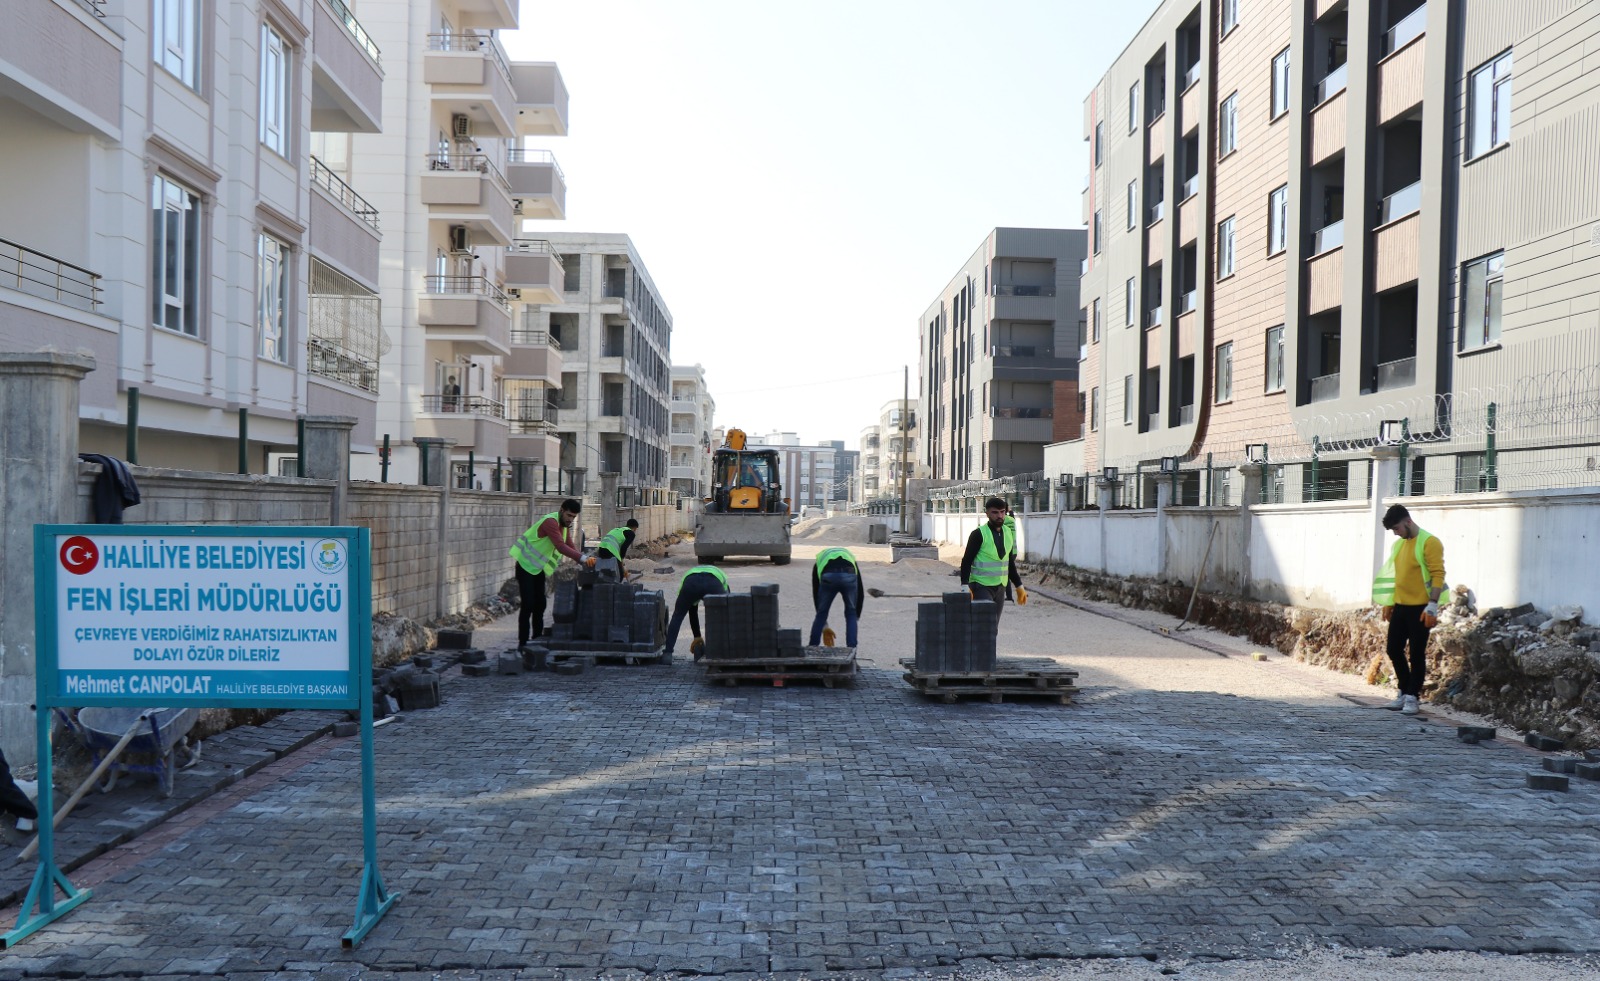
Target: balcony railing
(466, 162)
(475, 405)
(1191, 76)
(1406, 201)
(96, 7)
(343, 193)
(1396, 374)
(522, 155)
(1325, 387)
(1018, 351)
(1158, 211)
(530, 416)
(1187, 301)
(466, 286)
(1411, 25)
(1152, 421)
(1333, 83)
(1189, 189)
(1017, 289)
(535, 338)
(359, 33)
(1328, 237)
(1186, 414)
(47, 277)
(472, 42)
(327, 359)
(1152, 317)
(1024, 412)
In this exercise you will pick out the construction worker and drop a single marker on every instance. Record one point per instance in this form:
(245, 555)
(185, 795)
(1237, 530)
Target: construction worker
(1408, 589)
(696, 584)
(835, 573)
(537, 552)
(989, 564)
(614, 546)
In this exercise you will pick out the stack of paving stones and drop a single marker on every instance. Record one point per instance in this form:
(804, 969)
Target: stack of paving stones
(743, 642)
(956, 656)
(1556, 769)
(604, 620)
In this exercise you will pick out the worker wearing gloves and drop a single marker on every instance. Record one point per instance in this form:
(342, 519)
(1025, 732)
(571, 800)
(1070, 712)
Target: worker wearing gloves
(614, 547)
(537, 552)
(1408, 590)
(698, 583)
(990, 561)
(835, 573)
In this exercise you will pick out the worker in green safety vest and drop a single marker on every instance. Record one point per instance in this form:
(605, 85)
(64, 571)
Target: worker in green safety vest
(989, 564)
(835, 573)
(537, 552)
(1408, 590)
(696, 585)
(614, 546)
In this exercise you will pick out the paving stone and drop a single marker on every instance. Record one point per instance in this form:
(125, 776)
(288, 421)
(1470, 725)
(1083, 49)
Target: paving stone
(1547, 781)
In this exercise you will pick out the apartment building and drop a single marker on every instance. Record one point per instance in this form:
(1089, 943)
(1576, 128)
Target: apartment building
(869, 478)
(808, 473)
(998, 349)
(889, 447)
(614, 331)
(453, 169)
(1342, 214)
(166, 211)
(692, 411)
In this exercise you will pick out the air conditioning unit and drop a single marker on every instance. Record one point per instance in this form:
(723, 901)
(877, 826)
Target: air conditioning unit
(516, 206)
(458, 240)
(461, 126)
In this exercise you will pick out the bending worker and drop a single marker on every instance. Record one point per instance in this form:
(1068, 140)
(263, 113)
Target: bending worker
(614, 546)
(989, 564)
(1408, 589)
(835, 574)
(698, 583)
(538, 551)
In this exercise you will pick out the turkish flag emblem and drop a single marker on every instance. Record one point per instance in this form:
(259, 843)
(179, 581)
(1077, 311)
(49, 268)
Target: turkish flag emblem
(79, 555)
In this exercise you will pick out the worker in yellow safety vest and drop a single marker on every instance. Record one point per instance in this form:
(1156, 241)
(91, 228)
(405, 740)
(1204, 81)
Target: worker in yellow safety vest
(989, 564)
(615, 543)
(835, 573)
(696, 584)
(1408, 590)
(537, 552)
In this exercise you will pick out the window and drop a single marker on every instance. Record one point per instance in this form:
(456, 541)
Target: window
(1278, 220)
(175, 245)
(1484, 282)
(1094, 314)
(174, 31)
(1225, 248)
(1133, 107)
(1275, 359)
(1099, 143)
(1489, 106)
(272, 297)
(1133, 205)
(1225, 372)
(274, 92)
(1094, 410)
(1229, 16)
(1280, 84)
(1130, 301)
(1127, 400)
(1472, 473)
(1097, 231)
(1228, 125)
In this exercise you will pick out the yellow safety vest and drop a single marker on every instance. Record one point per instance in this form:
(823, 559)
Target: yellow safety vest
(612, 542)
(991, 567)
(829, 554)
(708, 569)
(1383, 585)
(535, 552)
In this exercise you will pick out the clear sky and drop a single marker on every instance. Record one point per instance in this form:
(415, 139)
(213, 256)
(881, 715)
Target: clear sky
(801, 179)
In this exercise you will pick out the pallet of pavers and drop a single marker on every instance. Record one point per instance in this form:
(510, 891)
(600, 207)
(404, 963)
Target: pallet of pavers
(956, 657)
(602, 622)
(744, 643)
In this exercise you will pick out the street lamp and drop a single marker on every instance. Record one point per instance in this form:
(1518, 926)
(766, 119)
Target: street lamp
(1065, 480)
(1108, 475)
(1169, 464)
(1390, 432)
(1255, 452)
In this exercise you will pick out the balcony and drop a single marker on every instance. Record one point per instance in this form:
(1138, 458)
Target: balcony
(1397, 252)
(474, 422)
(1192, 103)
(1156, 139)
(1410, 28)
(467, 189)
(1325, 282)
(1186, 414)
(1025, 424)
(69, 65)
(469, 76)
(1396, 374)
(1152, 421)
(469, 312)
(1400, 73)
(344, 226)
(346, 73)
(537, 182)
(534, 355)
(684, 438)
(1406, 201)
(1189, 220)
(1187, 301)
(1333, 83)
(1183, 331)
(1324, 388)
(1152, 317)
(1015, 351)
(541, 96)
(1022, 290)
(1158, 211)
(36, 274)
(1328, 130)
(1328, 237)
(533, 268)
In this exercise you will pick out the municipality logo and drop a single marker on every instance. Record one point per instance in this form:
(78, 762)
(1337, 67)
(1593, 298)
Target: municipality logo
(328, 557)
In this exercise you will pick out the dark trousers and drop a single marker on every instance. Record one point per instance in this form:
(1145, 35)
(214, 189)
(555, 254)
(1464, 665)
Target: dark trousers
(1406, 630)
(694, 589)
(997, 594)
(844, 586)
(12, 799)
(530, 617)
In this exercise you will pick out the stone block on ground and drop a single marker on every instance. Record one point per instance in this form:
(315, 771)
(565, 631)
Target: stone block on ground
(574, 665)
(473, 655)
(1544, 743)
(1473, 734)
(1560, 764)
(509, 664)
(1547, 781)
(1587, 771)
(453, 639)
(477, 670)
(343, 729)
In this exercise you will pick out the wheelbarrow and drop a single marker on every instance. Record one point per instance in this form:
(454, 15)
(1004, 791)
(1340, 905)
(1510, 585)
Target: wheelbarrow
(158, 747)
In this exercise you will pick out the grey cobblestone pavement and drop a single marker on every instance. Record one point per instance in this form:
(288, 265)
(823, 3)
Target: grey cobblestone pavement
(634, 820)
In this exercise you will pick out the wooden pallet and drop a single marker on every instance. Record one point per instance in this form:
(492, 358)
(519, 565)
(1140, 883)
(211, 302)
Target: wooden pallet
(829, 669)
(1014, 676)
(553, 657)
(994, 693)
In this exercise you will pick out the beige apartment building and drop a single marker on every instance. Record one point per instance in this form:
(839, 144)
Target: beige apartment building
(888, 448)
(693, 411)
(165, 210)
(1308, 218)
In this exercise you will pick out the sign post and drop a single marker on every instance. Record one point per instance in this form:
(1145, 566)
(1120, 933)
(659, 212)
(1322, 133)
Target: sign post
(200, 616)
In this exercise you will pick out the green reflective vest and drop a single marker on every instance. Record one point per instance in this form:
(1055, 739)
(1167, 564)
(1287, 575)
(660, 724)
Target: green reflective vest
(534, 552)
(991, 567)
(709, 570)
(612, 542)
(1383, 585)
(829, 554)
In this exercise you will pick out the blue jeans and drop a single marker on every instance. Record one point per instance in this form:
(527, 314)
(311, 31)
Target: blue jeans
(694, 589)
(842, 585)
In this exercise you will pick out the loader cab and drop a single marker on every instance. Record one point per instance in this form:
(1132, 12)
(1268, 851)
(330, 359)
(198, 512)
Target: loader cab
(745, 481)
